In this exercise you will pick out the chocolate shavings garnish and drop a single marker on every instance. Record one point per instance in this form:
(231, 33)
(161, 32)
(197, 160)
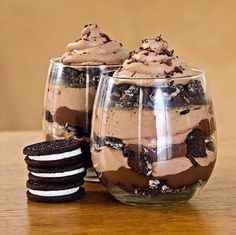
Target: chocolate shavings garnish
(106, 37)
(167, 52)
(177, 70)
(88, 34)
(167, 62)
(184, 112)
(167, 74)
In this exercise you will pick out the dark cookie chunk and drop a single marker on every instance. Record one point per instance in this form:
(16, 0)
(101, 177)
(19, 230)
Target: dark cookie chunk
(148, 99)
(210, 146)
(149, 153)
(58, 163)
(191, 93)
(126, 94)
(111, 142)
(196, 146)
(94, 75)
(52, 147)
(48, 116)
(130, 95)
(138, 162)
(178, 98)
(195, 92)
(75, 196)
(72, 77)
(98, 143)
(79, 131)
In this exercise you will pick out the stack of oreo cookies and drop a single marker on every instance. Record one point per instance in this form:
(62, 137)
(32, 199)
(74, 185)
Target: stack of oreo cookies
(56, 171)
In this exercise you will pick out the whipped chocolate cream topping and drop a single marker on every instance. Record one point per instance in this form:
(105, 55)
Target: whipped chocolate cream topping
(93, 48)
(153, 60)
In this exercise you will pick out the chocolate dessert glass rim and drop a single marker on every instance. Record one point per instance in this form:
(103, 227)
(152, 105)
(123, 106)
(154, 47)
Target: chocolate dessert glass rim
(199, 73)
(56, 60)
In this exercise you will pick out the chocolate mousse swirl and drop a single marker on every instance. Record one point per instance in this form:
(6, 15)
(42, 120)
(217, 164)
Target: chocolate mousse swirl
(94, 47)
(153, 60)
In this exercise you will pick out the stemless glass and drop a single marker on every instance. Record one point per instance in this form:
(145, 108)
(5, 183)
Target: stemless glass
(153, 140)
(68, 104)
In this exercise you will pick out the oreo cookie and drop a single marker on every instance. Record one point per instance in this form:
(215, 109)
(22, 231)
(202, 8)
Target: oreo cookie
(53, 153)
(43, 192)
(58, 196)
(51, 147)
(70, 174)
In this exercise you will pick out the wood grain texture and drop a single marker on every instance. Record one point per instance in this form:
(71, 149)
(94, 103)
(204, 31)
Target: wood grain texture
(203, 34)
(213, 211)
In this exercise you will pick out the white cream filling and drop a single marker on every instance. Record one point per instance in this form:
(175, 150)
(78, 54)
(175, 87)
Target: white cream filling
(177, 165)
(55, 193)
(59, 156)
(61, 174)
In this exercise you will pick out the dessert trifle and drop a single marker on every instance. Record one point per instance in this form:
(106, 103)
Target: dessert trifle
(72, 83)
(153, 128)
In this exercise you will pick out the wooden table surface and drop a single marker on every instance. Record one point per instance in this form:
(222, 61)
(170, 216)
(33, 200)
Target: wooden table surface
(212, 211)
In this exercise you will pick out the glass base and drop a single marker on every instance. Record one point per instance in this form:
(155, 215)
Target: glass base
(157, 201)
(91, 175)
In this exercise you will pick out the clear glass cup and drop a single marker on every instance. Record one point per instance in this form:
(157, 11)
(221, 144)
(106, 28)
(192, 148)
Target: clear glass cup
(68, 103)
(153, 140)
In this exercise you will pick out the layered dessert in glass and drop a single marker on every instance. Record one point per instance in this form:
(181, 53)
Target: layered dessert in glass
(72, 83)
(153, 129)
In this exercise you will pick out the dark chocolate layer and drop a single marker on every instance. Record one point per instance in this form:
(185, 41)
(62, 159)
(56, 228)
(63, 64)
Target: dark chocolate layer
(74, 120)
(125, 178)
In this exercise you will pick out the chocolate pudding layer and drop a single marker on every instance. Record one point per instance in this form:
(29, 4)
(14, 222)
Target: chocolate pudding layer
(154, 129)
